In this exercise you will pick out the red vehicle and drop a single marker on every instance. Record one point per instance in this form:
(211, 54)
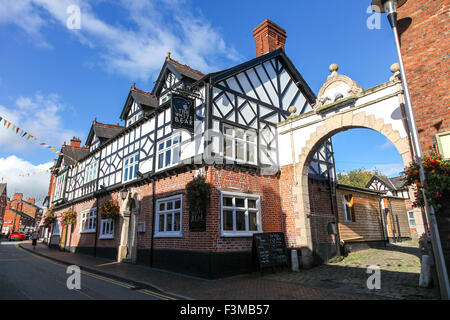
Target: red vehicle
(17, 236)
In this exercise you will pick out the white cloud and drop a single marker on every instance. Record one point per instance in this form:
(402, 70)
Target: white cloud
(34, 186)
(390, 170)
(138, 48)
(387, 145)
(40, 116)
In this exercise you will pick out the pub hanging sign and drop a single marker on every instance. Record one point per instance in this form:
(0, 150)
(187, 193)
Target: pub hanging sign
(183, 113)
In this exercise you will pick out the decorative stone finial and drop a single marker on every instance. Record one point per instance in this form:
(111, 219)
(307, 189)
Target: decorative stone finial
(395, 67)
(134, 85)
(292, 110)
(168, 56)
(334, 68)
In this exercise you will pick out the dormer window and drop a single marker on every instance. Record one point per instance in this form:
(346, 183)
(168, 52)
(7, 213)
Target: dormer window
(134, 118)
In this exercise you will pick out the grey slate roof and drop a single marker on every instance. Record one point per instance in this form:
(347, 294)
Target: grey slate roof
(186, 70)
(395, 183)
(71, 154)
(106, 132)
(145, 100)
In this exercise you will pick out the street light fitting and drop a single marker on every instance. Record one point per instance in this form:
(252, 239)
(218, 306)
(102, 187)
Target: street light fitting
(387, 6)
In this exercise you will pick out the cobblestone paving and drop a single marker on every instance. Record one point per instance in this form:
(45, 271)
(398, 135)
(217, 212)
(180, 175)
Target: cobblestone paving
(399, 265)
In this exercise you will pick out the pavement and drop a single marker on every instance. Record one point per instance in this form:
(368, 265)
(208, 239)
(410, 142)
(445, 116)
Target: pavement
(25, 276)
(399, 266)
(254, 286)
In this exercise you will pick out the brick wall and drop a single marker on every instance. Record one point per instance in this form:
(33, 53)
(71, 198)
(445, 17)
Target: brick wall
(426, 54)
(210, 240)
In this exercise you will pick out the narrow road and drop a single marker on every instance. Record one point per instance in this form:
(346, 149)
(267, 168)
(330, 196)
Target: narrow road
(25, 276)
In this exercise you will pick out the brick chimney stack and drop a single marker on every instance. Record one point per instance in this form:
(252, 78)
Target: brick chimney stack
(75, 142)
(18, 196)
(268, 37)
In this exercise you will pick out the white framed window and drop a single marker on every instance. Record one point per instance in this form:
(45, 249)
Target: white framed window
(60, 186)
(240, 214)
(90, 173)
(57, 227)
(347, 204)
(411, 219)
(169, 217)
(106, 229)
(130, 167)
(239, 144)
(88, 221)
(169, 152)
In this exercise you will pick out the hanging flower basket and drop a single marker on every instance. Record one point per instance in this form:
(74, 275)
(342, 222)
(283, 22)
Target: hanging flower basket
(110, 209)
(198, 193)
(49, 218)
(437, 181)
(69, 218)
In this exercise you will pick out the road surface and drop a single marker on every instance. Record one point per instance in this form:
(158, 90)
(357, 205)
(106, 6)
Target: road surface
(25, 276)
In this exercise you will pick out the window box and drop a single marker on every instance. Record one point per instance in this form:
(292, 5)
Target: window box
(240, 214)
(168, 222)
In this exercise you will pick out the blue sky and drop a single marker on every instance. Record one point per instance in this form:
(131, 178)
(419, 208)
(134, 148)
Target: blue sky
(54, 81)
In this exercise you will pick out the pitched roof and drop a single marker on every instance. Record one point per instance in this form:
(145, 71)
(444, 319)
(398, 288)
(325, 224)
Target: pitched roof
(145, 99)
(396, 183)
(179, 69)
(287, 63)
(147, 102)
(71, 155)
(185, 69)
(103, 131)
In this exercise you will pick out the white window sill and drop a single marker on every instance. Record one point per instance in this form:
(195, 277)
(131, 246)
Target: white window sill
(238, 234)
(87, 231)
(169, 235)
(106, 237)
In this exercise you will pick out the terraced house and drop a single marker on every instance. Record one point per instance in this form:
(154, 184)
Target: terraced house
(221, 125)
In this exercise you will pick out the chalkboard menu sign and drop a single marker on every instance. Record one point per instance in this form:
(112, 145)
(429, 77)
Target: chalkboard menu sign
(183, 113)
(270, 249)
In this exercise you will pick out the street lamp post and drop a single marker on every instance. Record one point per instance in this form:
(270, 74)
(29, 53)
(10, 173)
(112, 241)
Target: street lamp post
(390, 8)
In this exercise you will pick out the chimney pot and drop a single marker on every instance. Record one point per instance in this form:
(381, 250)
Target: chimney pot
(268, 37)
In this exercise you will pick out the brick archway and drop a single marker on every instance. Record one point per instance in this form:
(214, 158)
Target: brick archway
(331, 126)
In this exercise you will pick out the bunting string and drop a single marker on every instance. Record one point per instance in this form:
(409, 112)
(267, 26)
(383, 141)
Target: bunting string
(7, 124)
(25, 175)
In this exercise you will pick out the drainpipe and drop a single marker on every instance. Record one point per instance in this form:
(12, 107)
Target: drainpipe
(333, 211)
(381, 218)
(153, 222)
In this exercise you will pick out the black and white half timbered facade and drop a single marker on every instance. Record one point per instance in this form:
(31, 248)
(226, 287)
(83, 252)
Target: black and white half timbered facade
(223, 126)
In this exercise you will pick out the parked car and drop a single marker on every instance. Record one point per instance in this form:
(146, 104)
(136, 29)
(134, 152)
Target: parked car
(17, 236)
